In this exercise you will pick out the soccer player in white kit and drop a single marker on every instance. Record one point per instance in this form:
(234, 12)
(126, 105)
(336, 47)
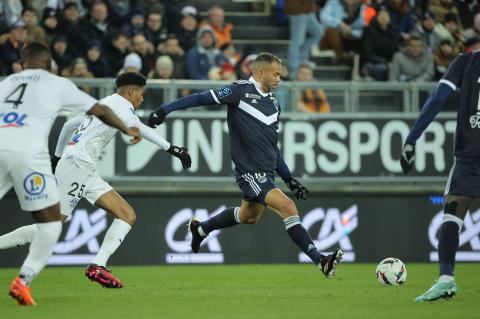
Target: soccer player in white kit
(29, 103)
(79, 146)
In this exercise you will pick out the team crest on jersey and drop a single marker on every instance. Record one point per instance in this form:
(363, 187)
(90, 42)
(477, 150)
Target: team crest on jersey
(34, 184)
(223, 92)
(475, 121)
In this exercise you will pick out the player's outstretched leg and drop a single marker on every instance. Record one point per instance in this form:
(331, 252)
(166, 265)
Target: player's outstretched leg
(49, 228)
(18, 237)
(113, 203)
(285, 207)
(200, 230)
(448, 240)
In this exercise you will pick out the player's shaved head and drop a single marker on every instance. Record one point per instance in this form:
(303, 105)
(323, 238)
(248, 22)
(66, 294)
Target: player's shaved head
(36, 55)
(264, 60)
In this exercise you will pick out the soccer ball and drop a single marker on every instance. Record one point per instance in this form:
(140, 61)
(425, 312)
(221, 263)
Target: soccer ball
(391, 272)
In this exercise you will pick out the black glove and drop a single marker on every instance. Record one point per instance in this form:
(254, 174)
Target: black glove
(299, 190)
(182, 154)
(408, 157)
(156, 118)
(54, 160)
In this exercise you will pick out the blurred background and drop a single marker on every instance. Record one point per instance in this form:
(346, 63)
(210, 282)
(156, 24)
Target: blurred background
(356, 73)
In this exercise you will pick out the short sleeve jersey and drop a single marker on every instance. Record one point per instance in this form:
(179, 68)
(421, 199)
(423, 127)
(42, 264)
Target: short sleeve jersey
(90, 138)
(29, 103)
(252, 118)
(464, 73)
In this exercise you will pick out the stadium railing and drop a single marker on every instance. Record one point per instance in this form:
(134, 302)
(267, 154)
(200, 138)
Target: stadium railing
(343, 96)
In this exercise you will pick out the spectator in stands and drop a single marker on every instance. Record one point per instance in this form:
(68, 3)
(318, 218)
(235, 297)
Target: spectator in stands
(96, 62)
(135, 24)
(344, 21)
(50, 25)
(187, 34)
(380, 41)
(163, 68)
(79, 69)
(173, 10)
(474, 31)
(10, 50)
(204, 56)
(401, 16)
(144, 49)
(172, 49)
(116, 49)
(59, 5)
(38, 6)
(96, 26)
(34, 31)
(222, 29)
(69, 24)
(119, 11)
(449, 29)
(244, 71)
(10, 12)
(230, 53)
(443, 56)
(132, 63)
(472, 44)
(60, 52)
(305, 31)
(155, 29)
(425, 29)
(311, 100)
(413, 64)
(443, 7)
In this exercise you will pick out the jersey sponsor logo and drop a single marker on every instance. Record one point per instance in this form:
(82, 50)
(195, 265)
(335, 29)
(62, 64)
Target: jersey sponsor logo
(78, 245)
(334, 231)
(252, 96)
(178, 238)
(469, 235)
(475, 121)
(34, 184)
(223, 92)
(12, 119)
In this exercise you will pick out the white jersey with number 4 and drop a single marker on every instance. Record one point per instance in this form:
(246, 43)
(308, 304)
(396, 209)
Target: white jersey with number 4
(92, 135)
(29, 103)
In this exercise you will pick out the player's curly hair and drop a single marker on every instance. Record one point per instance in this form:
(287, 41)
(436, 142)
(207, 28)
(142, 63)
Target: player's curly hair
(130, 78)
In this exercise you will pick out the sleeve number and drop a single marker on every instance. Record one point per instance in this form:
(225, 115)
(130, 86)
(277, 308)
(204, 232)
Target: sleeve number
(76, 187)
(16, 96)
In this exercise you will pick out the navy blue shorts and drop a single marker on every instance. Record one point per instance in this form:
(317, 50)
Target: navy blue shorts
(464, 178)
(255, 186)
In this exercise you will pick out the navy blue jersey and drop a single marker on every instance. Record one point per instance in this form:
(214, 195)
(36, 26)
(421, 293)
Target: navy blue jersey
(464, 72)
(252, 118)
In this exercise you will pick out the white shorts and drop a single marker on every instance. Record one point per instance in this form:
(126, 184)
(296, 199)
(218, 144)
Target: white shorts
(75, 183)
(32, 178)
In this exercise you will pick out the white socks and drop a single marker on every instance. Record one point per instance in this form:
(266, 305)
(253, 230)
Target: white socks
(19, 237)
(113, 238)
(41, 249)
(445, 278)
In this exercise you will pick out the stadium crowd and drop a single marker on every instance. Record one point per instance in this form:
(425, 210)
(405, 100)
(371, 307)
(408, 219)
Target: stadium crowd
(397, 40)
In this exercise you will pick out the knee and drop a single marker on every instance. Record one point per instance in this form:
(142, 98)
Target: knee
(288, 208)
(129, 215)
(251, 220)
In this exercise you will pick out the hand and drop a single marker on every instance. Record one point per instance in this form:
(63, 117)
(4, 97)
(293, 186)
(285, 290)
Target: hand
(54, 160)
(134, 132)
(345, 29)
(408, 157)
(182, 154)
(299, 190)
(156, 118)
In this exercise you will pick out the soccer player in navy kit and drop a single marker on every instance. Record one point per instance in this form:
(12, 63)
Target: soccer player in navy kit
(253, 118)
(463, 183)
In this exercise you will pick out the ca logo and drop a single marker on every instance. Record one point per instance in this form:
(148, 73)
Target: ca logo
(335, 229)
(178, 238)
(82, 230)
(470, 235)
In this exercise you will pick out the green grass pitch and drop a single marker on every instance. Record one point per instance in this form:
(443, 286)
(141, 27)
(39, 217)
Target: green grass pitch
(241, 291)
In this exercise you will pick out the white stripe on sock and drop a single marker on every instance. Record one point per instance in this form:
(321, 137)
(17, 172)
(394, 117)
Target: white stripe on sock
(291, 221)
(453, 218)
(236, 214)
